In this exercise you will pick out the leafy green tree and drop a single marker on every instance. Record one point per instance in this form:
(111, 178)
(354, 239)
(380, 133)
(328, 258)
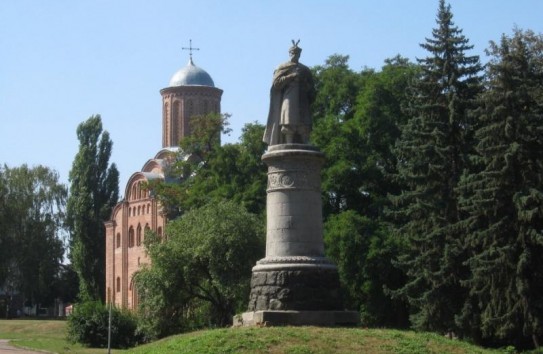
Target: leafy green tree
(94, 190)
(6, 238)
(380, 115)
(200, 275)
(357, 131)
(32, 205)
(232, 172)
(175, 192)
(431, 154)
(337, 87)
(357, 120)
(214, 173)
(503, 198)
(362, 250)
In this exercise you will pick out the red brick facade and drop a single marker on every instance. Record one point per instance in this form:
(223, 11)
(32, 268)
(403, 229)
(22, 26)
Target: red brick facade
(138, 211)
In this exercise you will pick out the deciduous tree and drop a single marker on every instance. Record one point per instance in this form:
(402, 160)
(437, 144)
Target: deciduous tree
(200, 275)
(94, 190)
(216, 173)
(32, 202)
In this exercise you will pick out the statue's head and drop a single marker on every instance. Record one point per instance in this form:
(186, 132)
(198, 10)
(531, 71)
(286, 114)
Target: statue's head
(295, 51)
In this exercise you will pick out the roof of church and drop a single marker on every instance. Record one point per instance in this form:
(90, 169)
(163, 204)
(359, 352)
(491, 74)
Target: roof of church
(191, 75)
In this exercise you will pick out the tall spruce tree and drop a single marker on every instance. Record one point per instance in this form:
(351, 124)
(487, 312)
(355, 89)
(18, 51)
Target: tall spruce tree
(94, 190)
(431, 155)
(504, 201)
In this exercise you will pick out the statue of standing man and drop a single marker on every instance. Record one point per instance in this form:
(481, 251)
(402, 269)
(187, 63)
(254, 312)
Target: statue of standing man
(291, 95)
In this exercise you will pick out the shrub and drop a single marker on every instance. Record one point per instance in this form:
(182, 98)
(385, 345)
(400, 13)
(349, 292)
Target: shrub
(88, 325)
(201, 276)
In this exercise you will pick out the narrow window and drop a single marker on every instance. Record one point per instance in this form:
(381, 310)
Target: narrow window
(131, 237)
(138, 236)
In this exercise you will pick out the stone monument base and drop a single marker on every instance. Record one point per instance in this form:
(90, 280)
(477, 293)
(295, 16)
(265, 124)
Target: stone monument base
(297, 318)
(294, 284)
(298, 287)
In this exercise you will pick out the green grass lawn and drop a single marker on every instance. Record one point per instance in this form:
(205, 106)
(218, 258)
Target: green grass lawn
(307, 340)
(41, 335)
(51, 336)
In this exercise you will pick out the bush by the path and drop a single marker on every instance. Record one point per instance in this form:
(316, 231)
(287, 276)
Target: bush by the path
(88, 325)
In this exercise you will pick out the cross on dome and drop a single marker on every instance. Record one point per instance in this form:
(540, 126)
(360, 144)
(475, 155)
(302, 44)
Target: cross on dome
(190, 49)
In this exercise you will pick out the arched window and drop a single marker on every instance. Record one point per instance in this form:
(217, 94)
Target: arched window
(134, 192)
(138, 235)
(139, 210)
(139, 190)
(188, 115)
(118, 240)
(165, 125)
(118, 284)
(177, 128)
(131, 237)
(148, 208)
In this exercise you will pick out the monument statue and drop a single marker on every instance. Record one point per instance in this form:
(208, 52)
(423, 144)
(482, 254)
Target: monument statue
(294, 284)
(291, 95)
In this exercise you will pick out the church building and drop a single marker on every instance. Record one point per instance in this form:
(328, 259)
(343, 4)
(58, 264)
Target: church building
(191, 92)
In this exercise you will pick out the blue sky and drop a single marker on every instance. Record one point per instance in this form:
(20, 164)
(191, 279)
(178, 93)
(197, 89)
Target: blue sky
(62, 61)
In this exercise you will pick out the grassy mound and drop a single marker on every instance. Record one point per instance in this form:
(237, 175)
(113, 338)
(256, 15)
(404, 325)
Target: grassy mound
(305, 340)
(51, 336)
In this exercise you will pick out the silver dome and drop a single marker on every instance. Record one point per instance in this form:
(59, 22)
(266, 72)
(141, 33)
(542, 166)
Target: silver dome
(191, 75)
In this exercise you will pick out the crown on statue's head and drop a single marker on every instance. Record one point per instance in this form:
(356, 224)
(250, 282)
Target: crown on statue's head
(295, 48)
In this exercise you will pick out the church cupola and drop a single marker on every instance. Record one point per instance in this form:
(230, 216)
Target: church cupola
(191, 92)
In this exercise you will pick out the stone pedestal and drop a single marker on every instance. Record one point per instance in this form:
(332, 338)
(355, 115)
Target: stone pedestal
(295, 284)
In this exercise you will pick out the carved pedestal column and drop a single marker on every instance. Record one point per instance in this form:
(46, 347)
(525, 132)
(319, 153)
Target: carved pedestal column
(294, 283)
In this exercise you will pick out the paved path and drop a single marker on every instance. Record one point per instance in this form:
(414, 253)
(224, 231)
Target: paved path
(5, 348)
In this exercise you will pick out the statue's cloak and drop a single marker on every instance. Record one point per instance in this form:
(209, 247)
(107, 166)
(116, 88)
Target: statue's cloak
(289, 100)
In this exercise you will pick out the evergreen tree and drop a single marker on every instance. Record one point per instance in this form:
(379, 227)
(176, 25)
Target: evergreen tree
(94, 190)
(504, 198)
(431, 155)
